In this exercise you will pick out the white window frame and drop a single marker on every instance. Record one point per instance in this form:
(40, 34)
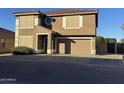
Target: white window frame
(80, 23)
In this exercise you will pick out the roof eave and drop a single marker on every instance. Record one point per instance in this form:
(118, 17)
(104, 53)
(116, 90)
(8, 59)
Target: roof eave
(72, 14)
(28, 13)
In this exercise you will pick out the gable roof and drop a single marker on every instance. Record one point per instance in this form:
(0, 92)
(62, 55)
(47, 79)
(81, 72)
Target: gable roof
(70, 11)
(6, 33)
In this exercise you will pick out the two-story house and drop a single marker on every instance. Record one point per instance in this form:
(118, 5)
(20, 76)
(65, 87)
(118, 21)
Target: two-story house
(61, 31)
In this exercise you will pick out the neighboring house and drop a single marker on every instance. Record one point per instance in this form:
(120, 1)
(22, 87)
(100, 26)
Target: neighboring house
(62, 31)
(7, 38)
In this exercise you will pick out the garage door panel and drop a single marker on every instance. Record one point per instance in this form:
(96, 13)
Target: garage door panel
(81, 47)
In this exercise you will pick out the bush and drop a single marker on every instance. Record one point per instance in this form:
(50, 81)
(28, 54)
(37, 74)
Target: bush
(22, 50)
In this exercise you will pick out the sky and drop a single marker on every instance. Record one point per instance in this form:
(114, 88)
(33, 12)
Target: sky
(109, 20)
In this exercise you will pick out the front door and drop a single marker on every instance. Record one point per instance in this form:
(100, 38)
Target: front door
(45, 45)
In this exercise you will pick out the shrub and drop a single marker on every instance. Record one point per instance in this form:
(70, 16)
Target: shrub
(22, 50)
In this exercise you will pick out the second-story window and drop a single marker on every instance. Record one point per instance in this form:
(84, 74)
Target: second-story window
(72, 22)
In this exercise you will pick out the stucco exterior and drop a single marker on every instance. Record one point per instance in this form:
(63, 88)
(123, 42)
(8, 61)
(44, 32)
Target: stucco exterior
(88, 26)
(69, 33)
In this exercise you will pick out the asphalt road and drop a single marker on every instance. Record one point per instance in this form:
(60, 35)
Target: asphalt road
(72, 71)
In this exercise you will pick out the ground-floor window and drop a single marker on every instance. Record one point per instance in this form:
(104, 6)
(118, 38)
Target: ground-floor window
(2, 43)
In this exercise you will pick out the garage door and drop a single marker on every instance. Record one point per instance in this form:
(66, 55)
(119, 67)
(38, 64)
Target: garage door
(74, 46)
(81, 47)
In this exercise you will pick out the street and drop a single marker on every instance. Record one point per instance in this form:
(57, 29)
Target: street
(60, 70)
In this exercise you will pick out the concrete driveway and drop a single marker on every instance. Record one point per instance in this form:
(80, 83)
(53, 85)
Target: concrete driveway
(41, 69)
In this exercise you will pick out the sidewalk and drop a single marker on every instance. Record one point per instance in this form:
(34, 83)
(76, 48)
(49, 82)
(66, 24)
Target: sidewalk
(106, 56)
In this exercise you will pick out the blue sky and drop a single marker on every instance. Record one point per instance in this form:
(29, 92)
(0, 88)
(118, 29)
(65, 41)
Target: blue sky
(109, 20)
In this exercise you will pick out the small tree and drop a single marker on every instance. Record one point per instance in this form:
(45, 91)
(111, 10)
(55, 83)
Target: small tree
(122, 40)
(111, 40)
(100, 40)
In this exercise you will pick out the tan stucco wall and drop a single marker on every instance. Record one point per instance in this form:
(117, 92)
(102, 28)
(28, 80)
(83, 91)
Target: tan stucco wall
(17, 31)
(26, 21)
(88, 28)
(9, 43)
(93, 46)
(26, 32)
(25, 35)
(26, 41)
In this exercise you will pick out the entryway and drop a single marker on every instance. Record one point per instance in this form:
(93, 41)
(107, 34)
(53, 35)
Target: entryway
(42, 44)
